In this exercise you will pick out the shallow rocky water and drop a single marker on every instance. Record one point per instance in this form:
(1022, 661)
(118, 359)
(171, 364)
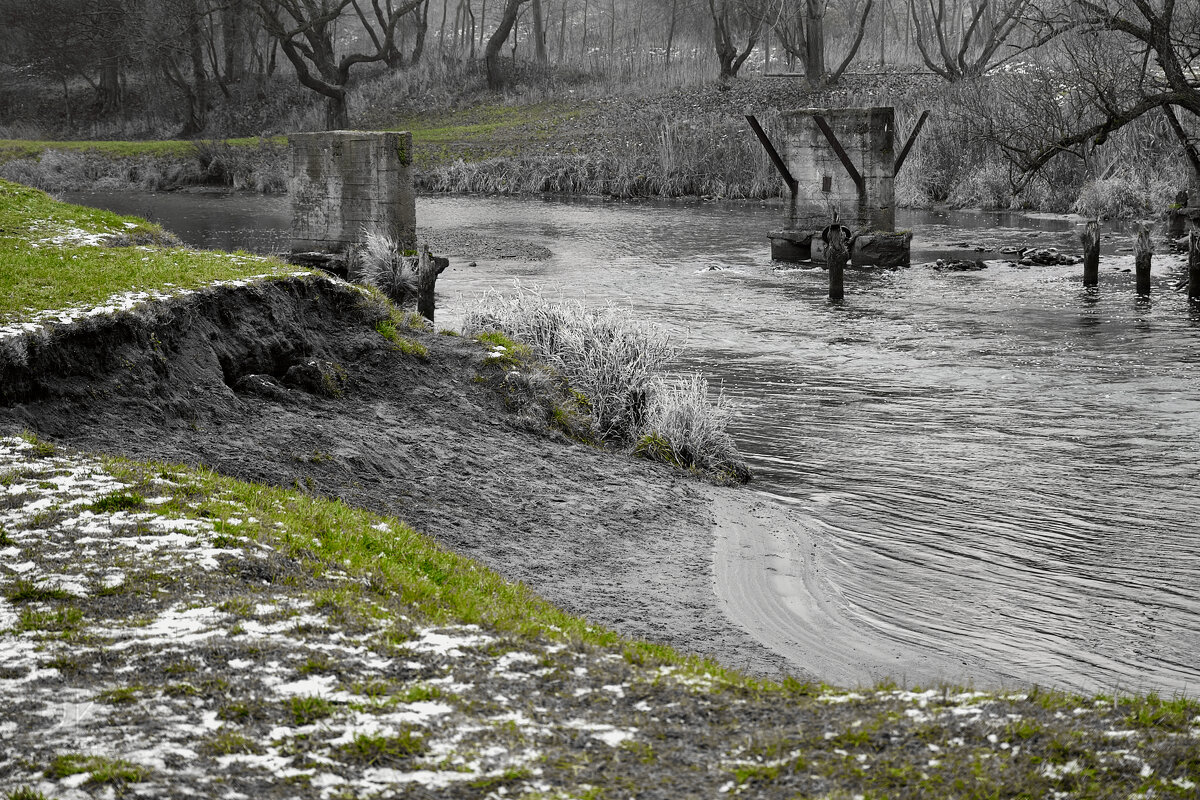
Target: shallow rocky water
(1000, 466)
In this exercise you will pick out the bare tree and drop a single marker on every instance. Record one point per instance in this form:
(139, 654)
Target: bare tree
(491, 53)
(305, 32)
(1119, 60)
(734, 21)
(181, 57)
(67, 39)
(539, 33)
(968, 52)
(800, 29)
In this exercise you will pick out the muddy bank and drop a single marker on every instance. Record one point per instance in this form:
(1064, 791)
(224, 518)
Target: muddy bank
(287, 383)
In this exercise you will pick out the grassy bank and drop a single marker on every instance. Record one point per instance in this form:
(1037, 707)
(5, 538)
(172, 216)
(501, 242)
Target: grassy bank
(273, 637)
(166, 629)
(55, 257)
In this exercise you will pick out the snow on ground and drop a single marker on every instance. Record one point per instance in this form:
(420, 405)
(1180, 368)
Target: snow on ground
(132, 644)
(154, 643)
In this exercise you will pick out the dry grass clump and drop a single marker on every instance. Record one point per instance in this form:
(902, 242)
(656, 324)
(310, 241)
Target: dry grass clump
(380, 263)
(687, 428)
(605, 355)
(614, 364)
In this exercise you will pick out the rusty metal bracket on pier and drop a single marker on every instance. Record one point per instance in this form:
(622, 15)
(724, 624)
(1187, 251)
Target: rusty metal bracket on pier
(912, 137)
(784, 172)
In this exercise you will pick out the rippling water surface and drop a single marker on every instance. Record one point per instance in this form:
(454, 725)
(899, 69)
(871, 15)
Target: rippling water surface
(1003, 467)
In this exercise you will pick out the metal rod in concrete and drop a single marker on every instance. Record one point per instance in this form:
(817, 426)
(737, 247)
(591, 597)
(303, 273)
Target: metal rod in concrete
(772, 153)
(1143, 253)
(912, 137)
(842, 155)
(1090, 237)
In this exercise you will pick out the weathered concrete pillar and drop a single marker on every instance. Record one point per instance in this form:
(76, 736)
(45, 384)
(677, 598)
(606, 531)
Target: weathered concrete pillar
(346, 182)
(826, 179)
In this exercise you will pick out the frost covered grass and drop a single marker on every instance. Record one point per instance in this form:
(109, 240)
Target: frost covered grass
(165, 630)
(615, 365)
(58, 256)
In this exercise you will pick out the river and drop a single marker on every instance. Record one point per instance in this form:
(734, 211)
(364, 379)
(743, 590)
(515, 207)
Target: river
(1002, 467)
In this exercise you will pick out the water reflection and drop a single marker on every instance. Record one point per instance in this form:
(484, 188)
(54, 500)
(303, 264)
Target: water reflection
(1001, 464)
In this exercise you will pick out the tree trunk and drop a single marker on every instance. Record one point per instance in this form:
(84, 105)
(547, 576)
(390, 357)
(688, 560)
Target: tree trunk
(882, 46)
(442, 30)
(233, 40)
(814, 55)
(539, 33)
(337, 112)
(671, 31)
(108, 92)
(422, 15)
(562, 36)
(612, 27)
(491, 54)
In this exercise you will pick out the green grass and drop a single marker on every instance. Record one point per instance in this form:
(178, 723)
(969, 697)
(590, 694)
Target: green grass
(374, 750)
(401, 344)
(118, 501)
(438, 586)
(36, 274)
(25, 148)
(483, 131)
(226, 742)
(61, 620)
(114, 772)
(307, 710)
(479, 132)
(25, 793)
(26, 591)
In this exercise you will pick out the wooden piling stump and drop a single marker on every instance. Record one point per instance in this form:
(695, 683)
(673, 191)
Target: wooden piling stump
(1142, 255)
(1090, 237)
(836, 256)
(428, 269)
(1194, 265)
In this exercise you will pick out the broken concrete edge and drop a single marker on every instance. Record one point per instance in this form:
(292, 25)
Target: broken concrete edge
(337, 263)
(867, 248)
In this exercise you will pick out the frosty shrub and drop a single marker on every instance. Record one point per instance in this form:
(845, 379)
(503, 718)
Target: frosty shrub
(616, 363)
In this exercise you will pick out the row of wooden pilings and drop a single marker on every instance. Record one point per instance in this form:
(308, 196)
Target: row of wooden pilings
(837, 254)
(1143, 254)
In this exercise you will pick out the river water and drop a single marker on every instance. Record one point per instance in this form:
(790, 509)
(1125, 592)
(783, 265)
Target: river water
(1003, 468)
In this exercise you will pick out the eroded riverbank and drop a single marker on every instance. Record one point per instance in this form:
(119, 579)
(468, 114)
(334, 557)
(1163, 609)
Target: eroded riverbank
(624, 541)
(169, 630)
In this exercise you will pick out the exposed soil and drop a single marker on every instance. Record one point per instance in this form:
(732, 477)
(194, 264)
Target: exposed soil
(288, 383)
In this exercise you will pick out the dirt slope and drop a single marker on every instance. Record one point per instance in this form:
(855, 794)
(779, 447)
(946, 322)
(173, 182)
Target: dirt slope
(229, 378)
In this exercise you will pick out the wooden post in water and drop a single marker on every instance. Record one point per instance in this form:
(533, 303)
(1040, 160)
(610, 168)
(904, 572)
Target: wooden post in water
(1194, 265)
(1091, 252)
(1142, 254)
(836, 256)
